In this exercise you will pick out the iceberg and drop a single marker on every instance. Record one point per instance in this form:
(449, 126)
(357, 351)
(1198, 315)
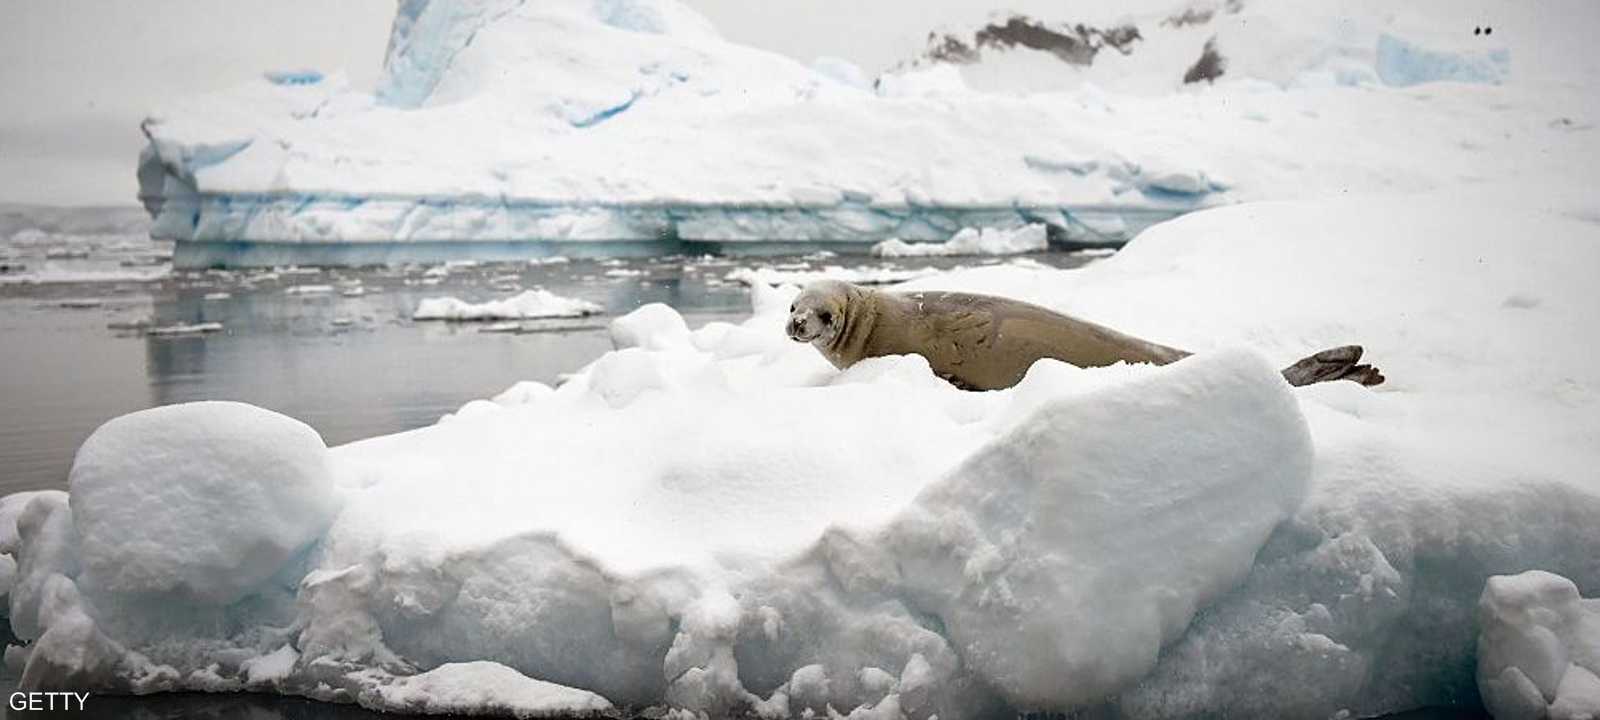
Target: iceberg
(510, 130)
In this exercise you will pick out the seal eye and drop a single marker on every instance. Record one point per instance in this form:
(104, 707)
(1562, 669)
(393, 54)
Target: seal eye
(826, 317)
(791, 308)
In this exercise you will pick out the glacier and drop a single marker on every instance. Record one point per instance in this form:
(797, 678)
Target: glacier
(504, 129)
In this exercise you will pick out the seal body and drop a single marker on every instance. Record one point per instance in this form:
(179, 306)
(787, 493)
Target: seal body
(983, 342)
(979, 342)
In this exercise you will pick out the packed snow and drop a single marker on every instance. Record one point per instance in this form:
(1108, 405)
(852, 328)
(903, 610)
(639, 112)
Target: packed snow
(972, 241)
(161, 507)
(1539, 648)
(527, 305)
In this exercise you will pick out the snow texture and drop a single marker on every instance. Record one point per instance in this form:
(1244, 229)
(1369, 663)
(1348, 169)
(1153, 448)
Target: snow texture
(1538, 648)
(202, 500)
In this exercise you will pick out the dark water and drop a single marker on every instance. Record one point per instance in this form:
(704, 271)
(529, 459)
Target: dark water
(348, 361)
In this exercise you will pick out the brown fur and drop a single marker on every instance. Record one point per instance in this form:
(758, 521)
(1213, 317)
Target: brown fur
(982, 342)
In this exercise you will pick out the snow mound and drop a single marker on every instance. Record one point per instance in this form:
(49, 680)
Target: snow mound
(653, 327)
(971, 241)
(526, 305)
(1538, 648)
(204, 500)
(1066, 553)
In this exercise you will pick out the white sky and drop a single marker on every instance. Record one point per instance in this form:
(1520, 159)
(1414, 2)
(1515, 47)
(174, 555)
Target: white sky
(77, 76)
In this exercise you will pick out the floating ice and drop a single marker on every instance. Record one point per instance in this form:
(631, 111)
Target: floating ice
(58, 275)
(526, 305)
(801, 276)
(179, 329)
(971, 241)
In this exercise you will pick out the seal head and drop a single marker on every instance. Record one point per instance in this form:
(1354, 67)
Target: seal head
(819, 313)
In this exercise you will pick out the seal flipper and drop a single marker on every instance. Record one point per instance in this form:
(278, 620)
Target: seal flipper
(1340, 363)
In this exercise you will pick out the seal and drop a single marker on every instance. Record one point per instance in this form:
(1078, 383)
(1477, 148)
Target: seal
(984, 342)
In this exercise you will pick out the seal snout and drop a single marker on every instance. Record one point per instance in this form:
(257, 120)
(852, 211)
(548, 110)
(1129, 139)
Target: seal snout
(801, 327)
(796, 325)
(817, 313)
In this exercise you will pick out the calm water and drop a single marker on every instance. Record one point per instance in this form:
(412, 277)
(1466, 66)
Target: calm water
(348, 360)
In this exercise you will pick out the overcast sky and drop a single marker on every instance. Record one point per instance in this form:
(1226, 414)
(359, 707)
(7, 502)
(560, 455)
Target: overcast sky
(77, 76)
